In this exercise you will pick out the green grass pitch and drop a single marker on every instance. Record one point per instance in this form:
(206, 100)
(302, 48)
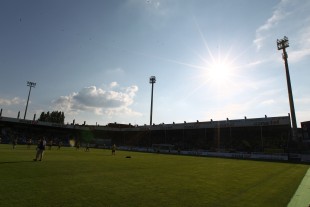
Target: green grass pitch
(67, 177)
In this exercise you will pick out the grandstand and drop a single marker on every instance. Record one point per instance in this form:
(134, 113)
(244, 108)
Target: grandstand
(247, 135)
(228, 135)
(306, 131)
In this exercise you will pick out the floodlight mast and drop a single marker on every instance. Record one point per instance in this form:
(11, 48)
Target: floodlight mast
(30, 84)
(282, 44)
(152, 81)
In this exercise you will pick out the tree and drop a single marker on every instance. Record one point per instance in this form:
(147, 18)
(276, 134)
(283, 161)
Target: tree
(54, 117)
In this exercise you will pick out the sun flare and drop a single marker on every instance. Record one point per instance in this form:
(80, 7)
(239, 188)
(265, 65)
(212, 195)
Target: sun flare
(219, 71)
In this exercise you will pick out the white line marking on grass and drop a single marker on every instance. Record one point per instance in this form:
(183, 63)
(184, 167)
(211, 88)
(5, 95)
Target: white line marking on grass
(301, 197)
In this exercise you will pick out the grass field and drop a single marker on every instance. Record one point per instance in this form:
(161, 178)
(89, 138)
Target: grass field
(68, 177)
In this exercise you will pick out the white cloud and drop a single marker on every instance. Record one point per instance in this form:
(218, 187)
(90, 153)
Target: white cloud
(65, 103)
(98, 101)
(153, 8)
(290, 18)
(255, 106)
(114, 71)
(113, 84)
(302, 115)
(302, 108)
(153, 3)
(13, 101)
(146, 4)
(303, 100)
(262, 33)
(302, 48)
(268, 102)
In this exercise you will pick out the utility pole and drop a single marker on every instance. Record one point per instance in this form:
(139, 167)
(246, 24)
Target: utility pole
(282, 44)
(30, 84)
(152, 81)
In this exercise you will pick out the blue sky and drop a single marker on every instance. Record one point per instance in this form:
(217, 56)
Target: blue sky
(212, 59)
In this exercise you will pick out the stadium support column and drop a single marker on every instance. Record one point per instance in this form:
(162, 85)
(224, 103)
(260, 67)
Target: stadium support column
(282, 44)
(30, 84)
(261, 136)
(152, 81)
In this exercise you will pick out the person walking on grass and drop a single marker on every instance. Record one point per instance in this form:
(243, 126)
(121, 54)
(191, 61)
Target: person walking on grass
(40, 149)
(77, 146)
(87, 148)
(113, 149)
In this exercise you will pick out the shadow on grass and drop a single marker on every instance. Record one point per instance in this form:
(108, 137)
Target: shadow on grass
(14, 162)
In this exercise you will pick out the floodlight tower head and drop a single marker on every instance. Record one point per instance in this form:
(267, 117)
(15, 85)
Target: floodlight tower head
(31, 84)
(152, 79)
(282, 43)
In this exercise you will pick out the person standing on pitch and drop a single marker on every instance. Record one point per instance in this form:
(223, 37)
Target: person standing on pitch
(59, 144)
(29, 142)
(40, 149)
(14, 142)
(113, 149)
(50, 144)
(87, 148)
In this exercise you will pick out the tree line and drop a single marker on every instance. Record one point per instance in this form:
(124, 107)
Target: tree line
(54, 117)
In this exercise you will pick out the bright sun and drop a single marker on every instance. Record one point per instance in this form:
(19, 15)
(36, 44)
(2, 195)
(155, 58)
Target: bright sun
(219, 71)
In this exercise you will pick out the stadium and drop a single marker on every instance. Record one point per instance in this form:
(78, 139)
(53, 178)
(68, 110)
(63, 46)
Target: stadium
(166, 161)
(214, 59)
(267, 136)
